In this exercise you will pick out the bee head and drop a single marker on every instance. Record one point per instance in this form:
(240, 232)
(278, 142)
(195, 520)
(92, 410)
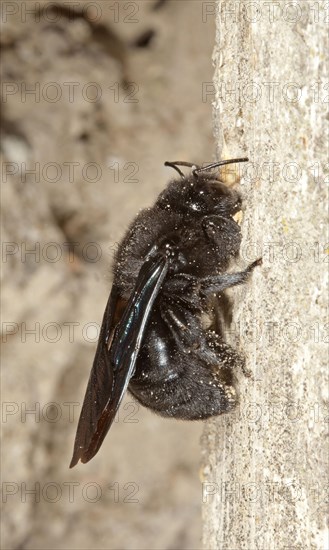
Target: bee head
(199, 196)
(200, 193)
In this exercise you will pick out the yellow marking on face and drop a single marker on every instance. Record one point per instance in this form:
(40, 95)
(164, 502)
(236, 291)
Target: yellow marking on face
(238, 217)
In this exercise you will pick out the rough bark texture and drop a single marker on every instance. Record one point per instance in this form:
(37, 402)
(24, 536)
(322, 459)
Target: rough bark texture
(265, 467)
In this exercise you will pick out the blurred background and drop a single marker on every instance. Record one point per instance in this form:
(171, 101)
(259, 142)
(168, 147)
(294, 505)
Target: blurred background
(95, 97)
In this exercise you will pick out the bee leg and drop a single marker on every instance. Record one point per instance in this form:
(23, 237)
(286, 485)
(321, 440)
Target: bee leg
(183, 297)
(207, 343)
(183, 289)
(183, 370)
(218, 283)
(222, 312)
(223, 231)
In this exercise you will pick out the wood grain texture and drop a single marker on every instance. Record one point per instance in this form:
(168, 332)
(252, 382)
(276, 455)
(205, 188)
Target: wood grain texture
(265, 467)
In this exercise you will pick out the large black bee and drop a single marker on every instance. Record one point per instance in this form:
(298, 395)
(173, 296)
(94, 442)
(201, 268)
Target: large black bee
(159, 337)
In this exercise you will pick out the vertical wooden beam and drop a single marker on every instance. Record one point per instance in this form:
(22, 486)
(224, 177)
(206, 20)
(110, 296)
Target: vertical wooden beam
(265, 467)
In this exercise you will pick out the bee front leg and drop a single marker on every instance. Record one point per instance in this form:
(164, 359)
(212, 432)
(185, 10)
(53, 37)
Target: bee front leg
(224, 234)
(218, 283)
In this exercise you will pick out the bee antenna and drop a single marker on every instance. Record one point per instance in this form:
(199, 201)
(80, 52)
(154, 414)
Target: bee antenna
(176, 163)
(198, 169)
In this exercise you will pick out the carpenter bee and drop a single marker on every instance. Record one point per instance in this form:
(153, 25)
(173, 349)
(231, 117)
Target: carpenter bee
(159, 337)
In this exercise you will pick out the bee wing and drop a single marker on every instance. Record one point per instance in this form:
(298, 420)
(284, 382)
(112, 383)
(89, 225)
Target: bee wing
(114, 364)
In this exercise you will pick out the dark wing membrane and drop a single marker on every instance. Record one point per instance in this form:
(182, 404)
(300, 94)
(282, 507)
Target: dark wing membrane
(115, 358)
(100, 381)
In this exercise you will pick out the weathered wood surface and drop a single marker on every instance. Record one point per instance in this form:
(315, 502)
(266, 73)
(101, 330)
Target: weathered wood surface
(265, 467)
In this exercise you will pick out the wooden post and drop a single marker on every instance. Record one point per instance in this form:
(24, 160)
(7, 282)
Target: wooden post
(265, 466)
